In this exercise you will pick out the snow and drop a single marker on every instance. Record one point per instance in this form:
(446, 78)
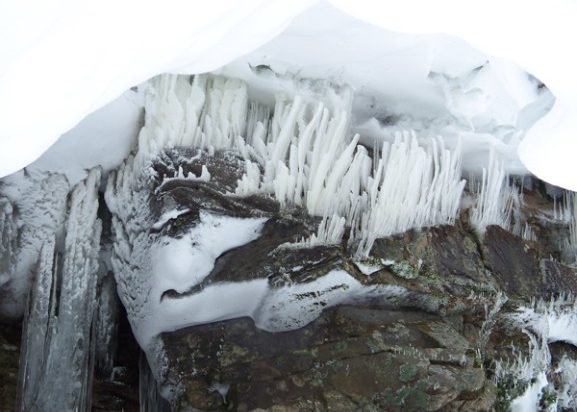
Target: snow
(556, 320)
(529, 400)
(544, 322)
(181, 263)
(422, 76)
(104, 138)
(368, 268)
(168, 216)
(548, 146)
(60, 66)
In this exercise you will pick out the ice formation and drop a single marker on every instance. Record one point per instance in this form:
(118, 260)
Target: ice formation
(58, 354)
(32, 213)
(496, 197)
(301, 152)
(544, 323)
(304, 157)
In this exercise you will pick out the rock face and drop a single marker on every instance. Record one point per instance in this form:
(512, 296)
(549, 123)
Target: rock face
(260, 274)
(430, 350)
(349, 359)
(433, 345)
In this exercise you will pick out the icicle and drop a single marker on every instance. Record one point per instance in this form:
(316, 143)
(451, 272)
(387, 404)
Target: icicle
(410, 188)
(495, 197)
(250, 182)
(106, 325)
(61, 378)
(8, 239)
(36, 333)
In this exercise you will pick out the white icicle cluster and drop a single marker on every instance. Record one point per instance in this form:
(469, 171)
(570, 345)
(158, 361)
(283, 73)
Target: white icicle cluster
(411, 187)
(496, 197)
(303, 156)
(208, 112)
(301, 153)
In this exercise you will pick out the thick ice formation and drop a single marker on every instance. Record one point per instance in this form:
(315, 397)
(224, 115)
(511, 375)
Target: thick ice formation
(57, 353)
(300, 153)
(301, 156)
(32, 212)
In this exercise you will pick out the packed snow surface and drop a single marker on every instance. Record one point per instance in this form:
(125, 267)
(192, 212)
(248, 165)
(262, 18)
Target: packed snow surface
(180, 264)
(403, 72)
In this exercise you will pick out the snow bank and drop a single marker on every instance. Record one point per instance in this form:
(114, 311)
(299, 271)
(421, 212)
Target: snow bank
(66, 59)
(428, 77)
(436, 84)
(535, 35)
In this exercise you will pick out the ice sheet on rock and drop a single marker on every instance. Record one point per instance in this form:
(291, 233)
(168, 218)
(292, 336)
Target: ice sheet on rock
(106, 325)
(147, 265)
(37, 328)
(544, 323)
(567, 373)
(294, 306)
(555, 321)
(167, 217)
(529, 400)
(369, 267)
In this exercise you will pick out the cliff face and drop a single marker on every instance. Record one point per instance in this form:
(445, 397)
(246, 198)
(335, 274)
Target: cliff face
(281, 272)
(439, 318)
(440, 343)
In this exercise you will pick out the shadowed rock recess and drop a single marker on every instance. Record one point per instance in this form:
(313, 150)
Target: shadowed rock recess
(234, 300)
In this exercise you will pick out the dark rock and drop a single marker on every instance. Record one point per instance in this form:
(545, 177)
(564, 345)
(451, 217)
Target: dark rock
(370, 359)
(513, 262)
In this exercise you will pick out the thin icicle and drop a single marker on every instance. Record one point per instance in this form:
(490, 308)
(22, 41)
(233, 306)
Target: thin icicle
(303, 156)
(495, 197)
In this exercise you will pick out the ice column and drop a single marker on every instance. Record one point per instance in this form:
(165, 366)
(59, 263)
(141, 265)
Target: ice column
(58, 344)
